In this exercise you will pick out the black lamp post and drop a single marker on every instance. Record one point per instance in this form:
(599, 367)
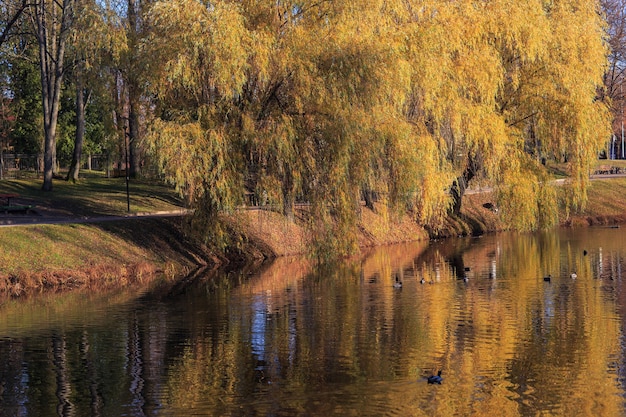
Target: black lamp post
(126, 145)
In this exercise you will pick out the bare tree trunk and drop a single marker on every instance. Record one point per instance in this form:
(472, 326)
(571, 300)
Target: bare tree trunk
(81, 104)
(134, 90)
(52, 21)
(133, 130)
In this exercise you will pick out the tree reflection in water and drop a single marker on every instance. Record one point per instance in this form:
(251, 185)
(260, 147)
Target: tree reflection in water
(291, 340)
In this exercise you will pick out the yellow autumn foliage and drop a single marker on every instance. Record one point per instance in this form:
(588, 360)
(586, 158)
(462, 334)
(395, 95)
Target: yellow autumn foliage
(320, 101)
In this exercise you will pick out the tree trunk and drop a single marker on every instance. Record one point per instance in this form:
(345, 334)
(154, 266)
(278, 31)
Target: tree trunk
(368, 196)
(72, 175)
(133, 83)
(133, 139)
(459, 186)
(51, 31)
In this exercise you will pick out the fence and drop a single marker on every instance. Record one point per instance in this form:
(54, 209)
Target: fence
(20, 165)
(16, 166)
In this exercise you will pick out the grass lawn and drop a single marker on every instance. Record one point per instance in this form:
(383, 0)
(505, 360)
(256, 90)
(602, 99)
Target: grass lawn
(72, 254)
(94, 195)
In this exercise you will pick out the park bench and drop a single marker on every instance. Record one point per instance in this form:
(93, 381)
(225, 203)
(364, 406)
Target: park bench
(608, 170)
(13, 208)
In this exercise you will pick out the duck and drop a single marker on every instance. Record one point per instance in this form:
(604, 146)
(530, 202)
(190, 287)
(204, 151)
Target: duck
(573, 275)
(398, 283)
(547, 278)
(435, 379)
(422, 281)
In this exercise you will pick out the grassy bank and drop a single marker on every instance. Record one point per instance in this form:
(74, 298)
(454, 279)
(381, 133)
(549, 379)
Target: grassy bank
(100, 255)
(116, 253)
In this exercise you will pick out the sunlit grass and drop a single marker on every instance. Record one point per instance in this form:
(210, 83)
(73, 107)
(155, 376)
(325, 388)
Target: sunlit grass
(96, 195)
(52, 247)
(607, 197)
(36, 255)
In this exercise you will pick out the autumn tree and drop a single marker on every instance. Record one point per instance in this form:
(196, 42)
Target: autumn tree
(409, 100)
(501, 86)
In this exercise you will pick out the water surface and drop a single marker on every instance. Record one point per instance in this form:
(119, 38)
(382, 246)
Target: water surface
(287, 340)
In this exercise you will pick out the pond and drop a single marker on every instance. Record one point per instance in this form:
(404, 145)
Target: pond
(289, 340)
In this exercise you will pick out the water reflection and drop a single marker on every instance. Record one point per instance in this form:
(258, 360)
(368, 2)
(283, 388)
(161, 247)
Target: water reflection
(289, 340)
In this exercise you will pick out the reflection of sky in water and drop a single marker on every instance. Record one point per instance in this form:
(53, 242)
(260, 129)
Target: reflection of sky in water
(548, 307)
(259, 320)
(293, 332)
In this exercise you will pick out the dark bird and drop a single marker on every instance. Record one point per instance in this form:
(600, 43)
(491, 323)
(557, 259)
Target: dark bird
(548, 278)
(585, 252)
(398, 283)
(435, 379)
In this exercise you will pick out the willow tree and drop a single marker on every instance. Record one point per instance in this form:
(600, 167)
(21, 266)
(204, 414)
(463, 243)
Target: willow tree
(294, 99)
(199, 69)
(550, 100)
(501, 85)
(410, 99)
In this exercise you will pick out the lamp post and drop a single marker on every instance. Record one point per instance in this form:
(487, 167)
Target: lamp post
(126, 144)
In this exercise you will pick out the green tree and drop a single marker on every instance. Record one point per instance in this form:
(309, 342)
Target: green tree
(24, 86)
(93, 48)
(52, 24)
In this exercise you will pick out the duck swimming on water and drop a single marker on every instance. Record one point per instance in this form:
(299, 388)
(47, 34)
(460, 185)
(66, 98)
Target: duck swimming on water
(398, 283)
(435, 379)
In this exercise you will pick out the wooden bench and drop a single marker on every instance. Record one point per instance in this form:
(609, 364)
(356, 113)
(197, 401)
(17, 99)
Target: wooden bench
(16, 208)
(13, 208)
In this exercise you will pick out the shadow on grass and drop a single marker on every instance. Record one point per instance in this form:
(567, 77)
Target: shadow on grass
(94, 196)
(161, 236)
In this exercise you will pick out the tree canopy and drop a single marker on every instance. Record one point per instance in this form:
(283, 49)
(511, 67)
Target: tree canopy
(323, 101)
(400, 104)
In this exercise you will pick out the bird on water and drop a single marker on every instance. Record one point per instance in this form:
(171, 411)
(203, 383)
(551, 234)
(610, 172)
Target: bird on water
(435, 379)
(398, 283)
(547, 278)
